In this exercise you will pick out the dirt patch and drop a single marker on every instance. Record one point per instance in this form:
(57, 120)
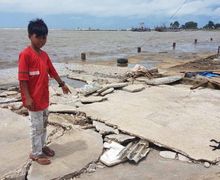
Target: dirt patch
(209, 63)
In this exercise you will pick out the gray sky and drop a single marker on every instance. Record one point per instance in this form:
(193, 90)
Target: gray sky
(103, 13)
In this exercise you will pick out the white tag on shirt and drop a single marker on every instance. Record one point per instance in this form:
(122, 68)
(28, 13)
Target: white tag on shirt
(34, 73)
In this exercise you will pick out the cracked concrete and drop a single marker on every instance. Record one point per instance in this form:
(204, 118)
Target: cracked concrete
(74, 150)
(154, 167)
(15, 142)
(61, 130)
(173, 116)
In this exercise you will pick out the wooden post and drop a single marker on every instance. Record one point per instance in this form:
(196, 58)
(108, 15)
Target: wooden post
(174, 45)
(139, 49)
(83, 56)
(218, 50)
(195, 41)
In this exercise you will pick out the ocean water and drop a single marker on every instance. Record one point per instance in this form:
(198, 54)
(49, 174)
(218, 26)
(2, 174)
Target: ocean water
(67, 45)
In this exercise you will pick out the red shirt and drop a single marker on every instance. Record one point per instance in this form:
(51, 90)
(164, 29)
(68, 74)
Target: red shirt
(35, 68)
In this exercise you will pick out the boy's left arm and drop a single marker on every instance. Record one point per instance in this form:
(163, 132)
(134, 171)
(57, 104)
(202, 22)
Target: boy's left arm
(62, 84)
(53, 73)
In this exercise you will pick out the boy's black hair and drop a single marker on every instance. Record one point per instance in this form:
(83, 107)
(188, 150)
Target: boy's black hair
(38, 27)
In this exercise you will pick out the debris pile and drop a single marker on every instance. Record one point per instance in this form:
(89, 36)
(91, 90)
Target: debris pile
(203, 79)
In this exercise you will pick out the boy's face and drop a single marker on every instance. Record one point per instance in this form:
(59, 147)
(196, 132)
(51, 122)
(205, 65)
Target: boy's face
(38, 41)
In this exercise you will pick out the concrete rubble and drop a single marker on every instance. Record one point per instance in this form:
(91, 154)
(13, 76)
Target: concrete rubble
(168, 154)
(104, 129)
(92, 99)
(116, 153)
(162, 116)
(131, 118)
(8, 93)
(112, 155)
(134, 88)
(61, 108)
(107, 91)
(163, 80)
(120, 138)
(135, 151)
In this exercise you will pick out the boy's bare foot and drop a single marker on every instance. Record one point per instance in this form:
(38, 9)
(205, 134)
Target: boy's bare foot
(41, 159)
(47, 151)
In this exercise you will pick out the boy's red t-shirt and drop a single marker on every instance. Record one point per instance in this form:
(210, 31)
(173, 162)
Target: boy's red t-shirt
(35, 68)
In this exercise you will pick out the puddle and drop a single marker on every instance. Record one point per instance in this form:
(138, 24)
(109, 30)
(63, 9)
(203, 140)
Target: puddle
(72, 82)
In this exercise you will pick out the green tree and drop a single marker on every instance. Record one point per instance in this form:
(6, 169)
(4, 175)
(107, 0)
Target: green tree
(210, 25)
(191, 25)
(175, 25)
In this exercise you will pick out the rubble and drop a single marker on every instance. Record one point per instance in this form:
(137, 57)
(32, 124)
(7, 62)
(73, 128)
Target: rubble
(61, 108)
(104, 129)
(92, 99)
(183, 158)
(163, 80)
(64, 137)
(120, 138)
(112, 156)
(9, 100)
(134, 88)
(116, 153)
(89, 89)
(135, 151)
(207, 164)
(156, 114)
(107, 91)
(168, 154)
(8, 93)
(113, 85)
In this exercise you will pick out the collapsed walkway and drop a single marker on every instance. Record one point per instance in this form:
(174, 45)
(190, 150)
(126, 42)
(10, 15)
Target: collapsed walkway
(173, 117)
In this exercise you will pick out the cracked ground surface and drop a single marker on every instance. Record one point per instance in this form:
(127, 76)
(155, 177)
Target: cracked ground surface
(62, 130)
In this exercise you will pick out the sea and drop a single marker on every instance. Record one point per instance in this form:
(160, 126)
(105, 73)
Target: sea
(103, 46)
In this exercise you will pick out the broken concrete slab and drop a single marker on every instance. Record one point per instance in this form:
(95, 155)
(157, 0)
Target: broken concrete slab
(61, 108)
(166, 115)
(104, 129)
(108, 91)
(155, 167)
(74, 150)
(134, 88)
(163, 80)
(15, 142)
(112, 155)
(116, 153)
(89, 88)
(168, 154)
(12, 106)
(120, 138)
(92, 99)
(112, 85)
(183, 158)
(8, 100)
(135, 151)
(8, 93)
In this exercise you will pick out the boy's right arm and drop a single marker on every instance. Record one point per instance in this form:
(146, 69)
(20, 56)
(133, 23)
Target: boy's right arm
(28, 100)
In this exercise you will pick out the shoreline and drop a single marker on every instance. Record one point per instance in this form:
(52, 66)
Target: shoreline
(160, 59)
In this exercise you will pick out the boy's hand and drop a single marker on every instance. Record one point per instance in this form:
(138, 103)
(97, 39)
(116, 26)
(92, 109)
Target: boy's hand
(29, 104)
(65, 89)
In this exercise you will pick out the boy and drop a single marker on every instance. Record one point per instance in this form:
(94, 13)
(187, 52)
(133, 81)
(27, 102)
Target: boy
(33, 70)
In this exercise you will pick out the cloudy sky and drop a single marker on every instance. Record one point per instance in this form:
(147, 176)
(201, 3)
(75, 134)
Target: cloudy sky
(107, 13)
